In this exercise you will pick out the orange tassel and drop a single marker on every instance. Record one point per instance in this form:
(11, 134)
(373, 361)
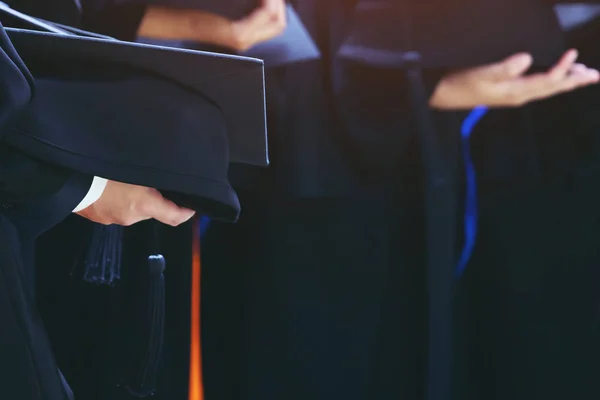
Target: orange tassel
(196, 390)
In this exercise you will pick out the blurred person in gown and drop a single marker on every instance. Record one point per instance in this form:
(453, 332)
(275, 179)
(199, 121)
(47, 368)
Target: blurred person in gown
(319, 291)
(64, 301)
(325, 284)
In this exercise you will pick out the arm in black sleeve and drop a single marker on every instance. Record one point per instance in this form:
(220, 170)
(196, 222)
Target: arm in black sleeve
(24, 179)
(36, 196)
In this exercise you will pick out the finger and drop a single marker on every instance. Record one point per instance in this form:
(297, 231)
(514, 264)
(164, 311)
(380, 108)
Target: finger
(566, 75)
(167, 212)
(274, 8)
(510, 68)
(582, 70)
(253, 27)
(577, 79)
(271, 5)
(578, 69)
(542, 86)
(261, 24)
(532, 87)
(564, 65)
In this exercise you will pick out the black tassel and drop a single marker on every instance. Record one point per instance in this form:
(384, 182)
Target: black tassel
(102, 264)
(148, 323)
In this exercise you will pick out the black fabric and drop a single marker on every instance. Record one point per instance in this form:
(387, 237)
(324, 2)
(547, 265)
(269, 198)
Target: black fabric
(279, 321)
(21, 176)
(278, 282)
(231, 9)
(456, 34)
(67, 12)
(121, 21)
(528, 306)
(17, 82)
(81, 317)
(35, 215)
(27, 368)
(322, 298)
(24, 178)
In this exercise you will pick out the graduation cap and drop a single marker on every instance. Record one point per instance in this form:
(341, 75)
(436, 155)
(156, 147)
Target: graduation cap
(146, 115)
(431, 34)
(293, 45)
(159, 117)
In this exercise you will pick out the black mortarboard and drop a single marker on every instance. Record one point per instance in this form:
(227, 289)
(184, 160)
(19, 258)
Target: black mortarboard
(452, 34)
(142, 114)
(442, 34)
(293, 45)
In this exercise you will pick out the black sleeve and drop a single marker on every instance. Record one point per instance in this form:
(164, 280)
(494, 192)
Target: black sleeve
(36, 196)
(111, 18)
(16, 83)
(21, 178)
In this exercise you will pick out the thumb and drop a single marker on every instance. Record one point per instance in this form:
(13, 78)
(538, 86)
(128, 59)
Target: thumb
(511, 67)
(166, 211)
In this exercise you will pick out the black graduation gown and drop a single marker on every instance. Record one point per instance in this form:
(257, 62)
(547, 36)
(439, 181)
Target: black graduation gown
(321, 288)
(28, 369)
(78, 343)
(529, 303)
(80, 316)
(318, 292)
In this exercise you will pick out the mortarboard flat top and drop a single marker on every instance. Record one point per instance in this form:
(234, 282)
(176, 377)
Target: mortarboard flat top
(234, 83)
(452, 34)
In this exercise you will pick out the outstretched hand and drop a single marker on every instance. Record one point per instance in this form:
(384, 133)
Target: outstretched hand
(504, 84)
(125, 204)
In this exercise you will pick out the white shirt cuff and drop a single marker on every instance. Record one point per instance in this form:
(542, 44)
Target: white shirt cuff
(93, 195)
